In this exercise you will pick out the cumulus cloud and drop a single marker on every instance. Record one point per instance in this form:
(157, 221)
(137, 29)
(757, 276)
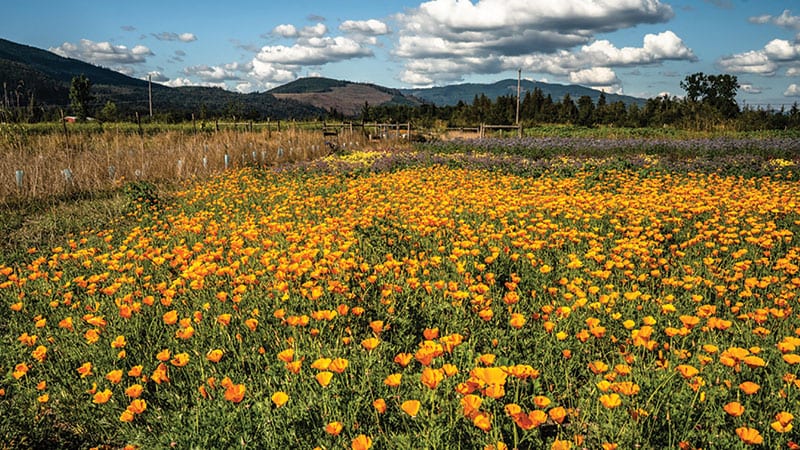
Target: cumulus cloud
(765, 61)
(285, 30)
(103, 53)
(782, 50)
(313, 52)
(792, 91)
(169, 36)
(290, 31)
(596, 76)
(369, 27)
(505, 34)
(753, 61)
(793, 71)
(211, 73)
(785, 20)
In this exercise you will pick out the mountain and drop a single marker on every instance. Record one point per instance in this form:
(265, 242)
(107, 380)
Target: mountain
(343, 96)
(451, 95)
(30, 73)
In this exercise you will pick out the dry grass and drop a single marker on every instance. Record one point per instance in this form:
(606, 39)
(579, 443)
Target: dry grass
(105, 160)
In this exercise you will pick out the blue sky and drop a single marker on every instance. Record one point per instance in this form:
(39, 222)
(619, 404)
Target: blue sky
(636, 47)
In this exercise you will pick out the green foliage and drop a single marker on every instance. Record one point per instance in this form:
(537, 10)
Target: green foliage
(141, 193)
(80, 97)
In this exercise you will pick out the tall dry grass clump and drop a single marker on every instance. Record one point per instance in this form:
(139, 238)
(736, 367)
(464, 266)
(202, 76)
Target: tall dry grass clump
(40, 165)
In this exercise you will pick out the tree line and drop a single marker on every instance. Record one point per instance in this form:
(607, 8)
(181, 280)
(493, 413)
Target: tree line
(709, 103)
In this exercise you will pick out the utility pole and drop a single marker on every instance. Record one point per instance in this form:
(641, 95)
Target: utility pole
(519, 90)
(150, 93)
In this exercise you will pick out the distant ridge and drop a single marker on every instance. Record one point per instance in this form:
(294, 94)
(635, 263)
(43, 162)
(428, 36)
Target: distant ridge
(452, 94)
(346, 97)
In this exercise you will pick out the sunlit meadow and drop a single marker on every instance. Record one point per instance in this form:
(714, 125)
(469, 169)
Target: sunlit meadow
(419, 301)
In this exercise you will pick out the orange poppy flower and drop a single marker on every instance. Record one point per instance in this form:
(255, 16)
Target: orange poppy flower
(324, 378)
(338, 365)
(135, 371)
(163, 355)
(734, 409)
(137, 406)
(115, 376)
(334, 428)
(541, 401)
(379, 405)
(280, 398)
(370, 343)
(791, 358)
(431, 377)
(749, 435)
(235, 393)
(749, 388)
(180, 360)
(286, 355)
(483, 421)
(170, 317)
(410, 407)
(85, 369)
(393, 380)
(559, 444)
(134, 390)
(610, 400)
(126, 416)
(101, 397)
(558, 414)
(598, 367)
(687, 371)
(471, 403)
(214, 355)
(40, 353)
(403, 359)
(361, 442)
(321, 363)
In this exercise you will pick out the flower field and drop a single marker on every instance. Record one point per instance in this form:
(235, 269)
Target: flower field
(420, 300)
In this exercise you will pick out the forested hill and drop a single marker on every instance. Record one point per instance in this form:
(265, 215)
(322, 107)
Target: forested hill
(31, 76)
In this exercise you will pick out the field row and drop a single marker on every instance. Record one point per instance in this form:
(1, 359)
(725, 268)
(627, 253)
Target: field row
(429, 306)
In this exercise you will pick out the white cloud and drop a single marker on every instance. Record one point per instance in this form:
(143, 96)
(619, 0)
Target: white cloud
(749, 88)
(103, 53)
(792, 91)
(782, 50)
(749, 62)
(317, 30)
(369, 27)
(169, 36)
(290, 31)
(313, 52)
(793, 71)
(499, 35)
(285, 30)
(765, 61)
(785, 20)
(211, 74)
(269, 73)
(178, 82)
(596, 76)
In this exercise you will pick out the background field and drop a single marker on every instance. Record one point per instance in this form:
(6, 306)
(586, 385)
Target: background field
(549, 291)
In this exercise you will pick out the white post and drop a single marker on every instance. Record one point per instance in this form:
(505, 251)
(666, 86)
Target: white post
(20, 176)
